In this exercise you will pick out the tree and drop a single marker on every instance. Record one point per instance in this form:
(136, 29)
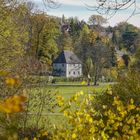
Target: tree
(124, 36)
(128, 40)
(97, 20)
(75, 27)
(89, 69)
(48, 41)
(38, 22)
(137, 62)
(67, 42)
(44, 35)
(100, 54)
(82, 45)
(126, 59)
(13, 34)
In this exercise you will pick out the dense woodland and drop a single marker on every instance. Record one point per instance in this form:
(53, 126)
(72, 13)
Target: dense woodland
(42, 37)
(29, 42)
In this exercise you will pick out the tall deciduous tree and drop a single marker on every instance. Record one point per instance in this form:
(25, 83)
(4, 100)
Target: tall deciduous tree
(45, 31)
(67, 42)
(82, 45)
(89, 69)
(100, 54)
(48, 41)
(97, 20)
(13, 34)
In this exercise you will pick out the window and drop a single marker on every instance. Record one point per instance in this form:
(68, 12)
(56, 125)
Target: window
(69, 73)
(79, 72)
(74, 72)
(62, 65)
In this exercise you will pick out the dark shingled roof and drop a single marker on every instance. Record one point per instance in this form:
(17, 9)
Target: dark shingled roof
(67, 57)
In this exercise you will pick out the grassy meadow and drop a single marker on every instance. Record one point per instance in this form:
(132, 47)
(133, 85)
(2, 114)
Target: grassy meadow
(66, 90)
(69, 90)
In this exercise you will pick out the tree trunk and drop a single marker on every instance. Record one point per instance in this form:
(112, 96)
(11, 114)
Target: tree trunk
(95, 80)
(95, 76)
(88, 81)
(37, 45)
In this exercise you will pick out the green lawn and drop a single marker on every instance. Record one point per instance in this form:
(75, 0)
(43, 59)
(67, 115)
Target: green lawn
(67, 90)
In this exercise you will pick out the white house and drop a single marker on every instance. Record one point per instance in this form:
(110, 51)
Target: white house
(67, 64)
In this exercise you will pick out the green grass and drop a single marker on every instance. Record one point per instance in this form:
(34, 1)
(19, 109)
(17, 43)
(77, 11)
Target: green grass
(67, 90)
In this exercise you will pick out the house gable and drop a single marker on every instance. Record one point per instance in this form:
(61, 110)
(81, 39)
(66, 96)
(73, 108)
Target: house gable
(67, 57)
(67, 64)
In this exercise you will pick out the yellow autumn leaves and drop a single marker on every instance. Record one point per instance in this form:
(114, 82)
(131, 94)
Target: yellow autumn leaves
(12, 81)
(94, 35)
(13, 104)
(60, 100)
(86, 122)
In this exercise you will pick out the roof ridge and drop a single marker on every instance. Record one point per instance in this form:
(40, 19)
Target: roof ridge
(67, 56)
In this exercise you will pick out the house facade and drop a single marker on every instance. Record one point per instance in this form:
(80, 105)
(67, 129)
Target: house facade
(67, 64)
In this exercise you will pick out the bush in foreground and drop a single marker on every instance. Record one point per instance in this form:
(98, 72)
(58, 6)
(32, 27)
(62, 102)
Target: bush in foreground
(114, 114)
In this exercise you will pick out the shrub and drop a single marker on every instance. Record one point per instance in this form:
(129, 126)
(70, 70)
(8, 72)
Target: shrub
(85, 122)
(112, 115)
(126, 88)
(20, 117)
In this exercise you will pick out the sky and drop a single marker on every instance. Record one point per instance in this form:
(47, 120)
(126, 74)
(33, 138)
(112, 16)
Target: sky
(77, 8)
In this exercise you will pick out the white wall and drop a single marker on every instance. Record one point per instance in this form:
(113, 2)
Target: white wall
(74, 70)
(68, 70)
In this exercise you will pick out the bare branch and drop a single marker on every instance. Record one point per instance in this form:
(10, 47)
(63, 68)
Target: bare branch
(106, 8)
(52, 3)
